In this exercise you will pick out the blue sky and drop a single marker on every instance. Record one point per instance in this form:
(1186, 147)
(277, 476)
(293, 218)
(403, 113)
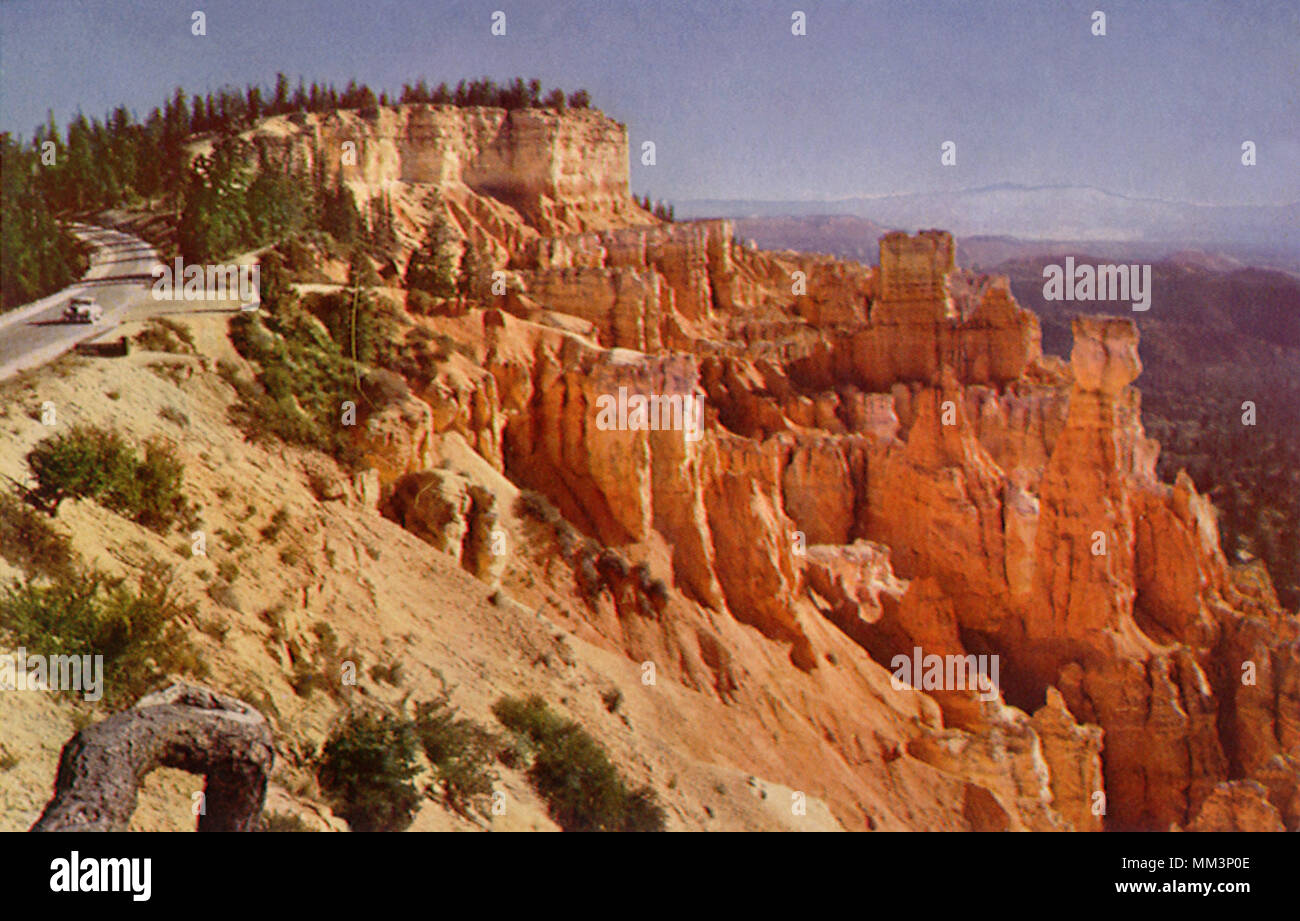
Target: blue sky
(740, 108)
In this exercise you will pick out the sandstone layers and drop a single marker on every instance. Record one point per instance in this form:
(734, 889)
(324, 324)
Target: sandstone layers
(889, 462)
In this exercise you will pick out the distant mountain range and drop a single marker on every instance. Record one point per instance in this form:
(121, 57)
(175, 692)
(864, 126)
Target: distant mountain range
(1052, 214)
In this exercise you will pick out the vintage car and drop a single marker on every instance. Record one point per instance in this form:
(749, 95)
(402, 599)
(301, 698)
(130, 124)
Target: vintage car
(83, 310)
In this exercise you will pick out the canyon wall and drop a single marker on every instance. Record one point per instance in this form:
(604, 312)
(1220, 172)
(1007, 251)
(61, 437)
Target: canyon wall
(560, 172)
(1014, 499)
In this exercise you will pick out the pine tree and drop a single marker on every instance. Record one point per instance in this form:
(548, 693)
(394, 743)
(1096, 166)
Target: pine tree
(255, 104)
(476, 272)
(280, 101)
(436, 266)
(339, 215)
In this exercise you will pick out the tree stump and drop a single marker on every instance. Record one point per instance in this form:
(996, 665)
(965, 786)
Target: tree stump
(183, 726)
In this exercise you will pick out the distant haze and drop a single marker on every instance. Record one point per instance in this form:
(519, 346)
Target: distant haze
(741, 109)
(1048, 213)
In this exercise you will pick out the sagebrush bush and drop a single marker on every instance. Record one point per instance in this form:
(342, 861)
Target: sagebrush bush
(612, 699)
(163, 335)
(460, 751)
(583, 789)
(136, 629)
(589, 581)
(271, 533)
(158, 500)
(390, 673)
(613, 567)
(365, 771)
(533, 504)
(95, 463)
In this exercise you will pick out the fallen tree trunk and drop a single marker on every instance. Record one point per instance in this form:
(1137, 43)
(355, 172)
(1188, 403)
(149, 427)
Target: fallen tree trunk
(184, 726)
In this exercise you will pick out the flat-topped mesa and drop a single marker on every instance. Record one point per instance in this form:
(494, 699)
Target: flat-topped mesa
(563, 172)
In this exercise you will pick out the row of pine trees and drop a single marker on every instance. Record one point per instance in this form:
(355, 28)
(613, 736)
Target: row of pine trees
(96, 164)
(662, 210)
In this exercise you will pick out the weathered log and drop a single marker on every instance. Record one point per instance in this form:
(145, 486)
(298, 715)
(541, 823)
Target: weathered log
(184, 726)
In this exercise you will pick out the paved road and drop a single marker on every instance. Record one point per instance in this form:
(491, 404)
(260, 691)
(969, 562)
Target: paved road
(119, 279)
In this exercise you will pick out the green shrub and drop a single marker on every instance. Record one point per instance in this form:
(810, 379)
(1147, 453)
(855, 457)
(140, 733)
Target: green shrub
(84, 462)
(327, 641)
(271, 533)
(163, 335)
(390, 673)
(435, 266)
(460, 750)
(536, 506)
(612, 567)
(95, 463)
(305, 681)
(612, 699)
(365, 772)
(572, 772)
(304, 380)
(228, 570)
(159, 477)
(137, 631)
(232, 539)
(589, 581)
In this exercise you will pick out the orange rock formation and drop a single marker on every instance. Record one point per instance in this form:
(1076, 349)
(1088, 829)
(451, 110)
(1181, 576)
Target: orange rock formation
(889, 462)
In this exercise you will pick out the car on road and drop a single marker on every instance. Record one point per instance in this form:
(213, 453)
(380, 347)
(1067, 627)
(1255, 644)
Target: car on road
(83, 310)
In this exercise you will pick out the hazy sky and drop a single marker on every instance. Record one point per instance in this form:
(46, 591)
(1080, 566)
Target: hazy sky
(739, 107)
